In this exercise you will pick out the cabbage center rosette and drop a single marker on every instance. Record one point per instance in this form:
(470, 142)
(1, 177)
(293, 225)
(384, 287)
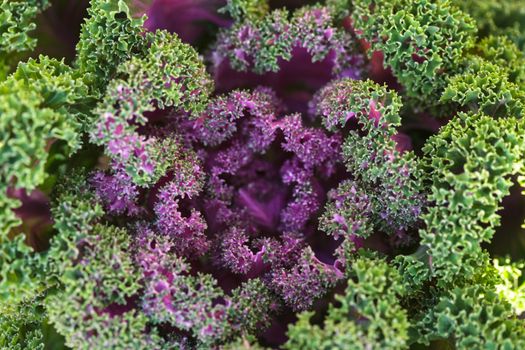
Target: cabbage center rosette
(241, 175)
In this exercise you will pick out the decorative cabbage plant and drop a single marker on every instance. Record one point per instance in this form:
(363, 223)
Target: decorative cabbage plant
(245, 174)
